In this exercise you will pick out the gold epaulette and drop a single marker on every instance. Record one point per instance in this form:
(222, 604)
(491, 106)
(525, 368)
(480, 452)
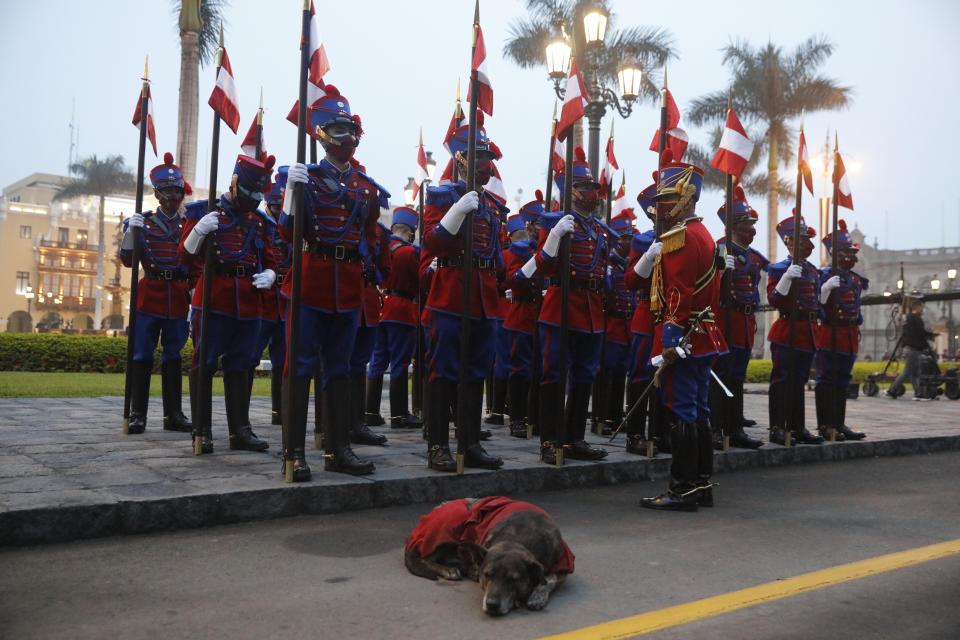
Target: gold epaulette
(674, 239)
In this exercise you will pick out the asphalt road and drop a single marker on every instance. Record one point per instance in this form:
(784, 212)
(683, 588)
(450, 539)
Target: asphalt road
(342, 576)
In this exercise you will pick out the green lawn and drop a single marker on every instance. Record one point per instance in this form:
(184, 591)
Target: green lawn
(28, 384)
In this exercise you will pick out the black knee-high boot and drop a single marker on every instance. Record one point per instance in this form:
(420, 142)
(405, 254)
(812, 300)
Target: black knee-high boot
(637, 442)
(374, 393)
(718, 414)
(682, 492)
(576, 422)
(437, 399)
(518, 392)
(549, 418)
(139, 395)
(236, 400)
(295, 432)
(614, 413)
(202, 414)
(171, 382)
(276, 396)
(499, 401)
(400, 417)
(360, 433)
(842, 428)
(475, 455)
(339, 456)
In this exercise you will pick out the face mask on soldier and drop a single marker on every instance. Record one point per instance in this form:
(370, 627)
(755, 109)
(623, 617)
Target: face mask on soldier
(339, 142)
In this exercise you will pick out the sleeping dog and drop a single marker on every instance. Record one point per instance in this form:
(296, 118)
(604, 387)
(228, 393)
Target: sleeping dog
(512, 548)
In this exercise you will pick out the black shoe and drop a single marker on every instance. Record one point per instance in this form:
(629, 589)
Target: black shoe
(375, 420)
(669, 501)
(137, 424)
(496, 419)
(849, 433)
(301, 470)
(580, 450)
(344, 460)
(825, 434)
(475, 456)
(485, 434)
(361, 434)
(637, 445)
(246, 440)
(171, 383)
(805, 437)
(747, 422)
(743, 441)
(206, 441)
(177, 422)
(518, 428)
(408, 421)
(778, 435)
(440, 459)
(607, 428)
(548, 452)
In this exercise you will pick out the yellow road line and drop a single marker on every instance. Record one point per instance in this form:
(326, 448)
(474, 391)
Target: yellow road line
(717, 605)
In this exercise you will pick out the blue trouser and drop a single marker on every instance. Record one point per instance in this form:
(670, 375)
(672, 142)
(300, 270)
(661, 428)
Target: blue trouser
(825, 367)
(273, 334)
(641, 371)
(444, 340)
(518, 358)
(583, 355)
(732, 366)
(326, 338)
(784, 362)
(172, 333)
(501, 351)
(616, 357)
(685, 387)
(233, 338)
(393, 346)
(362, 349)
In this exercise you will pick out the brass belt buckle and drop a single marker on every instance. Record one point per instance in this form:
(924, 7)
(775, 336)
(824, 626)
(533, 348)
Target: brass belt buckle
(339, 252)
(240, 271)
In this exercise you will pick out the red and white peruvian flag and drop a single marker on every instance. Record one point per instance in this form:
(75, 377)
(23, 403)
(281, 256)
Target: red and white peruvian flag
(447, 176)
(249, 145)
(151, 133)
(803, 160)
(574, 101)
(495, 186)
(319, 66)
(224, 97)
(456, 121)
(421, 166)
(484, 86)
(619, 202)
(557, 159)
(673, 121)
(314, 93)
(735, 147)
(844, 196)
(609, 166)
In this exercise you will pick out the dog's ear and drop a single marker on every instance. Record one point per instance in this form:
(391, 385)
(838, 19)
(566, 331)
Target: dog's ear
(471, 556)
(536, 572)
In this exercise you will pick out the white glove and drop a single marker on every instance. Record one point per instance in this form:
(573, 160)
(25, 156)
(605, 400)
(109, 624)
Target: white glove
(783, 286)
(205, 225)
(433, 264)
(644, 265)
(453, 218)
(730, 261)
(562, 228)
(264, 279)
(529, 268)
(828, 287)
(297, 173)
(136, 221)
(658, 360)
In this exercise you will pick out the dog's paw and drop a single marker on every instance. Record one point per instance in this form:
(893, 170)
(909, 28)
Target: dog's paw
(538, 598)
(450, 573)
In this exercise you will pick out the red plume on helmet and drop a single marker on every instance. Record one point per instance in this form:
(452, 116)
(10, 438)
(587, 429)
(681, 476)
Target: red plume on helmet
(539, 195)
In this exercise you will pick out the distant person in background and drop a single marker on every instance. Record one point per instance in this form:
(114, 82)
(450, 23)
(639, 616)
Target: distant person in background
(915, 337)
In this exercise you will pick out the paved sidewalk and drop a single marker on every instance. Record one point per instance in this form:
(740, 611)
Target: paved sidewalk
(67, 472)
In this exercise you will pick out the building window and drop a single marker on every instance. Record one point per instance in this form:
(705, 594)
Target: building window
(23, 281)
(26, 231)
(82, 238)
(63, 236)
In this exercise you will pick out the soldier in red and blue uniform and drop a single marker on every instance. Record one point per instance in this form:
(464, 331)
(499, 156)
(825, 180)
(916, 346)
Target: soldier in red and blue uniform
(618, 340)
(589, 257)
(273, 327)
(840, 297)
(448, 208)
(244, 265)
(342, 207)
(685, 283)
(637, 278)
(515, 347)
(163, 299)
(396, 333)
(739, 298)
(793, 287)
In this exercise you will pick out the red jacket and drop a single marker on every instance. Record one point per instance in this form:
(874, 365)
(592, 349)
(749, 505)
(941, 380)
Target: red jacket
(400, 287)
(241, 242)
(689, 283)
(642, 322)
(460, 521)
(807, 302)
(842, 309)
(274, 305)
(167, 294)
(523, 308)
(446, 288)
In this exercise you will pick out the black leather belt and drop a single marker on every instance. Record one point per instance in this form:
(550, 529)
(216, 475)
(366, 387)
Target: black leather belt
(234, 270)
(522, 299)
(397, 293)
(335, 251)
(843, 322)
(166, 274)
(810, 316)
(592, 284)
(620, 315)
(280, 278)
(457, 261)
(745, 309)
(643, 297)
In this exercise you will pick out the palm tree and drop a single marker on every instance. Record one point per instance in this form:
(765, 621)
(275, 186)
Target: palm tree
(199, 23)
(98, 178)
(649, 47)
(770, 88)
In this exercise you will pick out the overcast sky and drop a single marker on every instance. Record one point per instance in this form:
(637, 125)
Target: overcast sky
(398, 64)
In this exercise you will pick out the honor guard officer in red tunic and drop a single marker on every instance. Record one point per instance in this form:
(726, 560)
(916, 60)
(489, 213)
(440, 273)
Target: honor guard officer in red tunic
(520, 320)
(739, 297)
(618, 341)
(589, 256)
(448, 208)
(244, 265)
(342, 205)
(791, 363)
(396, 333)
(840, 296)
(163, 301)
(684, 285)
(273, 326)
(637, 277)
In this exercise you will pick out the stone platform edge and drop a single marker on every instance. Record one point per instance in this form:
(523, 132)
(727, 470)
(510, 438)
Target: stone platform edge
(63, 524)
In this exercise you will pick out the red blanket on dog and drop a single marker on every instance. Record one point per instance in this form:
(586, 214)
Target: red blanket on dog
(460, 521)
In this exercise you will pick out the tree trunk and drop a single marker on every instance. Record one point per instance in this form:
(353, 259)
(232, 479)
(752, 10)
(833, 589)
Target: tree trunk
(188, 105)
(773, 240)
(98, 298)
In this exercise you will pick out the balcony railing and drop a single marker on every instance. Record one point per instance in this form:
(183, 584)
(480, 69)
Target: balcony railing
(78, 246)
(68, 303)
